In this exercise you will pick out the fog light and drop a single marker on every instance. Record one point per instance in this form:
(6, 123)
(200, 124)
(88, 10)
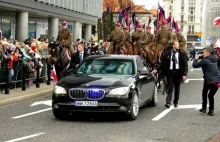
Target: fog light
(55, 106)
(122, 108)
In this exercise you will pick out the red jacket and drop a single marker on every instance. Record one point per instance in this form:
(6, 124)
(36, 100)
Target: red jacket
(10, 62)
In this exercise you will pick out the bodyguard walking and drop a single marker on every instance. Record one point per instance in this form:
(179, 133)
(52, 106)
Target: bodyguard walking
(208, 62)
(174, 66)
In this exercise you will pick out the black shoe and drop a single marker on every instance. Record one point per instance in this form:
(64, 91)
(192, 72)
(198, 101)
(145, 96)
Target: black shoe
(176, 105)
(167, 105)
(203, 110)
(211, 112)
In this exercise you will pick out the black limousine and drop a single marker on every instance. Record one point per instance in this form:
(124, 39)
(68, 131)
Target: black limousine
(106, 83)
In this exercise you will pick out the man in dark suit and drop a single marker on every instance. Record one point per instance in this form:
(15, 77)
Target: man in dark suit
(78, 56)
(174, 66)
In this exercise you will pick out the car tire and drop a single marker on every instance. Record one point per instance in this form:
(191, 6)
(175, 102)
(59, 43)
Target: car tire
(153, 102)
(134, 107)
(60, 114)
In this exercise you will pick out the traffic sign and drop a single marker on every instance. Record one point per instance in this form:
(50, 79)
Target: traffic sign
(209, 39)
(199, 34)
(198, 39)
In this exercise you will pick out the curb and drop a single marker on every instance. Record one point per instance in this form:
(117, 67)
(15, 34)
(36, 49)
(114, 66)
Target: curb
(25, 97)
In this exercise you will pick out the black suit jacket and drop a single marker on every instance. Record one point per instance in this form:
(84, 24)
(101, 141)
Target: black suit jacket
(164, 66)
(76, 60)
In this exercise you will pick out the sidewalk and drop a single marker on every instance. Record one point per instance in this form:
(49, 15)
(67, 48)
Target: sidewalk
(17, 94)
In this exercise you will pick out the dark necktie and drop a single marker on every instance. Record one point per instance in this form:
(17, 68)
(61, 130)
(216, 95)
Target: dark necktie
(80, 57)
(174, 60)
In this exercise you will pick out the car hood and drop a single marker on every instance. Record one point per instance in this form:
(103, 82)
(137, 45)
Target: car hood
(96, 81)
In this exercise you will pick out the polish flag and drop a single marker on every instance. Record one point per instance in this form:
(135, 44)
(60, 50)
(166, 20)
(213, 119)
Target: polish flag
(54, 74)
(217, 21)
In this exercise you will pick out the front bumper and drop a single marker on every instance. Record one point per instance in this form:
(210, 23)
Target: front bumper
(104, 105)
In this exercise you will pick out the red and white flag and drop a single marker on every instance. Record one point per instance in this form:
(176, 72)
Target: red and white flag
(217, 21)
(54, 74)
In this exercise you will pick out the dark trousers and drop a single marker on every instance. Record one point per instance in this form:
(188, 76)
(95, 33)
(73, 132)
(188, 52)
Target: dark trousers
(173, 81)
(212, 90)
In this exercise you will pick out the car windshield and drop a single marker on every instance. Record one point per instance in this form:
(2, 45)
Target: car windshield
(106, 66)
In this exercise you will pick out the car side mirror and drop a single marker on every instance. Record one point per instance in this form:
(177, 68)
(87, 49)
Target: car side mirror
(143, 72)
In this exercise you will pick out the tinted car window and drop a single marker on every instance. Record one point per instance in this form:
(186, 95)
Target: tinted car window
(140, 64)
(106, 66)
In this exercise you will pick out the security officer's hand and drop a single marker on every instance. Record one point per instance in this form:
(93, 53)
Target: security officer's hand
(154, 72)
(184, 78)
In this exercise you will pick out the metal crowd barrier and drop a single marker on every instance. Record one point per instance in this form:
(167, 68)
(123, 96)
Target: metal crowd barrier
(22, 73)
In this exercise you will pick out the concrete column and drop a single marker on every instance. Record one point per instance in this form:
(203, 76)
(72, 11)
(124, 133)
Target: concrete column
(21, 32)
(53, 28)
(88, 32)
(77, 31)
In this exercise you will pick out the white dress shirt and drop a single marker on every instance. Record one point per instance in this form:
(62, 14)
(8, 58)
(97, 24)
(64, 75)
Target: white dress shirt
(177, 61)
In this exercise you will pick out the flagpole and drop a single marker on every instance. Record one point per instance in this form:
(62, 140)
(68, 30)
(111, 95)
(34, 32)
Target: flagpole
(157, 16)
(157, 28)
(170, 20)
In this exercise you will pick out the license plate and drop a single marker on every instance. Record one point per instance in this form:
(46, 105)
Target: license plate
(86, 103)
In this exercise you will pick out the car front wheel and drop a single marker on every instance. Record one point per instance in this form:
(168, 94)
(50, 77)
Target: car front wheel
(153, 102)
(134, 108)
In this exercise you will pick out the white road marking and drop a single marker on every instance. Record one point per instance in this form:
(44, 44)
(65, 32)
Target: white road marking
(26, 137)
(166, 111)
(161, 115)
(200, 107)
(195, 69)
(187, 80)
(32, 113)
(47, 102)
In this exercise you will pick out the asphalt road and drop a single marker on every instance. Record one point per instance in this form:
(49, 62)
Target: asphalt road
(178, 125)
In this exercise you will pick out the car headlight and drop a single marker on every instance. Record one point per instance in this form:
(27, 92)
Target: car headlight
(119, 91)
(59, 91)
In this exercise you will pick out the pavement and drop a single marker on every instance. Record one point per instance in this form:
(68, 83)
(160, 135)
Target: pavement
(17, 95)
(32, 120)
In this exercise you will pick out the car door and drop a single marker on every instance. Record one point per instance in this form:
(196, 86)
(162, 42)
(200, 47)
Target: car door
(144, 82)
(150, 82)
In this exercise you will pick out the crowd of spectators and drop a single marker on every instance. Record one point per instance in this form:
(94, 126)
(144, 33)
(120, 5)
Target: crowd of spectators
(13, 54)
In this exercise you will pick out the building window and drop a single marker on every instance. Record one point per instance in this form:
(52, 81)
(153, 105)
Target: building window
(182, 1)
(189, 30)
(191, 18)
(182, 18)
(171, 8)
(6, 28)
(193, 29)
(182, 9)
(182, 28)
(32, 29)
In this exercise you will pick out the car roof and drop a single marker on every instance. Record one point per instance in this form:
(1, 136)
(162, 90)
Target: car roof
(128, 57)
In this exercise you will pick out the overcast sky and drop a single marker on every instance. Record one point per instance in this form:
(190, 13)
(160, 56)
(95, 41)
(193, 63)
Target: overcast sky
(149, 4)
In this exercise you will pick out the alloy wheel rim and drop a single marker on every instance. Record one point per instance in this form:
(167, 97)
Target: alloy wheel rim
(135, 105)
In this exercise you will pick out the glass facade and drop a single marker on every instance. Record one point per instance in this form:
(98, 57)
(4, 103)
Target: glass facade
(6, 28)
(32, 29)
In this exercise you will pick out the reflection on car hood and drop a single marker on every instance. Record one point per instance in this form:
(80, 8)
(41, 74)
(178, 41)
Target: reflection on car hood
(96, 80)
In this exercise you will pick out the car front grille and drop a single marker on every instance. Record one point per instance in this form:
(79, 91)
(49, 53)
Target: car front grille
(90, 94)
(95, 94)
(77, 93)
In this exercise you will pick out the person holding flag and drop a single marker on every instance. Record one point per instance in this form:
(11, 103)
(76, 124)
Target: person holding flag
(117, 36)
(163, 38)
(150, 36)
(139, 36)
(128, 40)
